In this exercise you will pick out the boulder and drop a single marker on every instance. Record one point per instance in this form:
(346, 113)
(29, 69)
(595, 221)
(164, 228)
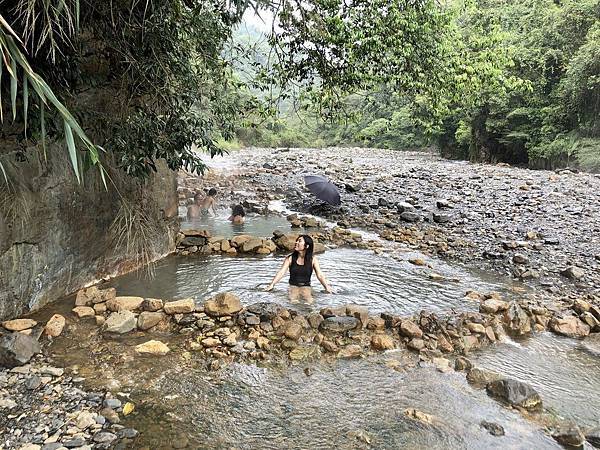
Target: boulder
(573, 272)
(84, 311)
(152, 304)
(314, 320)
(124, 303)
(211, 342)
(287, 241)
(416, 344)
(292, 331)
(476, 328)
(410, 329)
(493, 306)
(493, 428)
(591, 321)
(479, 376)
(569, 435)
(238, 241)
(469, 343)
(251, 245)
(410, 216)
(152, 347)
(104, 295)
(332, 311)
(19, 324)
(55, 325)
(120, 322)
(516, 320)
(444, 344)
(515, 393)
(339, 324)
(147, 319)
(359, 312)
(184, 306)
(17, 349)
(85, 297)
(266, 310)
(382, 342)
(193, 241)
(461, 363)
(304, 352)
(350, 351)
(570, 326)
(224, 304)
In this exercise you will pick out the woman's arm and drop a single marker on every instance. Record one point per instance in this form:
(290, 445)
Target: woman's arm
(284, 267)
(320, 276)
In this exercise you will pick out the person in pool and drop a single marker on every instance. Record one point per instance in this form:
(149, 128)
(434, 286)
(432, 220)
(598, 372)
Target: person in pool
(301, 264)
(237, 214)
(201, 206)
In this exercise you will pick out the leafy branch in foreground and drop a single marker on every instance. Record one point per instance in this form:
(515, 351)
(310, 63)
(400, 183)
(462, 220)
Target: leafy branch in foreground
(14, 61)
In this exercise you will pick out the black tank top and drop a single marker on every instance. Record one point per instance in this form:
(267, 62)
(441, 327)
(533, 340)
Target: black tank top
(300, 274)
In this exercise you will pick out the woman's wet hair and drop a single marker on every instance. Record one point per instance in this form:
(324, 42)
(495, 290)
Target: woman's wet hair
(212, 192)
(238, 210)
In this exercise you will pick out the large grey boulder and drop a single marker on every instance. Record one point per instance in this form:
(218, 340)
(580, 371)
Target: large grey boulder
(266, 310)
(17, 349)
(514, 392)
(339, 324)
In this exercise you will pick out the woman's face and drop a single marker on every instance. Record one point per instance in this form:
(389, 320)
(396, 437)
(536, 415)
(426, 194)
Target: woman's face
(300, 244)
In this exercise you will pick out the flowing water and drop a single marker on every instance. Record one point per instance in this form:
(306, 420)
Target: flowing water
(346, 404)
(566, 376)
(380, 282)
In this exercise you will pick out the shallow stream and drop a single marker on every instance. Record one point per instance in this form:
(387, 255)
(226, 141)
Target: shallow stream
(345, 404)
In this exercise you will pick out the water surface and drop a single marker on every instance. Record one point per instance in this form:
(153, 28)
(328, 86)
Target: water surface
(380, 282)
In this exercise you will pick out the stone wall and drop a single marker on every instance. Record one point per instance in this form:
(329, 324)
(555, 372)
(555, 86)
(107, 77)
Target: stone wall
(57, 236)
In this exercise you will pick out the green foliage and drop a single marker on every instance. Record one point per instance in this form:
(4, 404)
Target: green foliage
(533, 93)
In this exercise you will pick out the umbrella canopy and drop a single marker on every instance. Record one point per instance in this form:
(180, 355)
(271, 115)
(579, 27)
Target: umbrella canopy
(323, 189)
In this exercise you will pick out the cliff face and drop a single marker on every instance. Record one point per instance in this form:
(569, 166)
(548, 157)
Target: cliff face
(57, 236)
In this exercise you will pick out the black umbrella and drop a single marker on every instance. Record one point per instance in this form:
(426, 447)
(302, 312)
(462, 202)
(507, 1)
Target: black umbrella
(323, 189)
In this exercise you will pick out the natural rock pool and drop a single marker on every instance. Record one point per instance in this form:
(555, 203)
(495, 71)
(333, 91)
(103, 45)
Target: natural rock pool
(379, 282)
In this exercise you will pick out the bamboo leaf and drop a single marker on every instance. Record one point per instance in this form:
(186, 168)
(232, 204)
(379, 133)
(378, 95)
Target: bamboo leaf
(4, 173)
(72, 149)
(5, 24)
(25, 100)
(77, 15)
(43, 127)
(13, 87)
(1, 70)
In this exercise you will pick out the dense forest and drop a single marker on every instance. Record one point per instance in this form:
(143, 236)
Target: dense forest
(485, 80)
(523, 87)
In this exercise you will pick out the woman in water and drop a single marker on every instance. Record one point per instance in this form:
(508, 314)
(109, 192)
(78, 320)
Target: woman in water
(237, 214)
(301, 264)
